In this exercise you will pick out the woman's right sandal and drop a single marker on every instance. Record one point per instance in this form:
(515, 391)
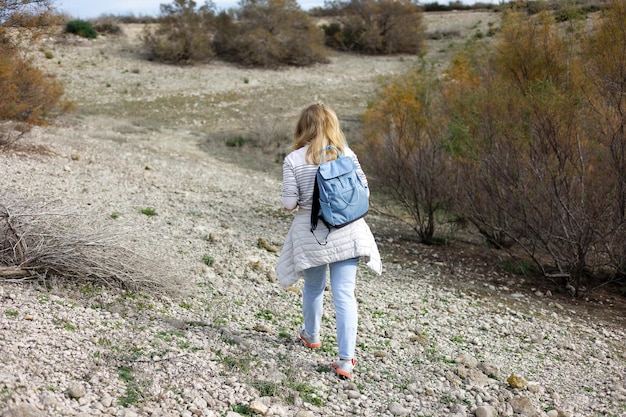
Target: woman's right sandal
(344, 367)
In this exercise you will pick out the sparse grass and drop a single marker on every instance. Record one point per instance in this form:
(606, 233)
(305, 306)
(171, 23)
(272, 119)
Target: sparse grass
(69, 327)
(306, 392)
(242, 409)
(241, 363)
(236, 141)
(149, 211)
(11, 313)
(90, 290)
(265, 314)
(322, 369)
(518, 267)
(208, 260)
(329, 343)
(168, 335)
(266, 388)
(134, 389)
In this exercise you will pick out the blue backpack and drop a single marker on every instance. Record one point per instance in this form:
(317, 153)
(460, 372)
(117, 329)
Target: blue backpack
(339, 196)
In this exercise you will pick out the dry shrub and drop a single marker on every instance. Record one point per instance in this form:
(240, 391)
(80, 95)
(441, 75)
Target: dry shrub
(184, 34)
(11, 132)
(403, 136)
(269, 33)
(47, 241)
(534, 139)
(108, 25)
(27, 95)
(376, 27)
(539, 143)
(271, 134)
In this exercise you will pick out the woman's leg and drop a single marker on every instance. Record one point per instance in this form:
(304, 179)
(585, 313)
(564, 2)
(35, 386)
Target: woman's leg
(313, 298)
(343, 283)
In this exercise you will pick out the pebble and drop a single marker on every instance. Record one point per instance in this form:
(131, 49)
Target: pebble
(397, 410)
(485, 411)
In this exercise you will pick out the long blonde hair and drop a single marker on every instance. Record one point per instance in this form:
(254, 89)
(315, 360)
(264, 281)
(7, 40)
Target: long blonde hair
(318, 127)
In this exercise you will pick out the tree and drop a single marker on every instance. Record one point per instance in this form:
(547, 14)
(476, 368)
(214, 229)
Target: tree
(269, 33)
(534, 169)
(404, 139)
(376, 26)
(184, 34)
(604, 56)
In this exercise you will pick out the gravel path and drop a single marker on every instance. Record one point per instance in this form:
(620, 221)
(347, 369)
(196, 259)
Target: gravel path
(434, 340)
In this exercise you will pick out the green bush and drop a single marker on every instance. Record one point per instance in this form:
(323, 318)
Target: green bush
(81, 28)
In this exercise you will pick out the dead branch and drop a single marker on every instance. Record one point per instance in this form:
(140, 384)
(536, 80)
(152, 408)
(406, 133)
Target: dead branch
(47, 240)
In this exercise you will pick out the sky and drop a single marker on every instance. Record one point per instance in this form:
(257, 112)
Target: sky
(88, 9)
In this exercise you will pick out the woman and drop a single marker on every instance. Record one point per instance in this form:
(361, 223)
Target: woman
(309, 254)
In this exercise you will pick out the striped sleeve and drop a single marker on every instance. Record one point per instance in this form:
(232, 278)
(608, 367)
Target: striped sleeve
(289, 194)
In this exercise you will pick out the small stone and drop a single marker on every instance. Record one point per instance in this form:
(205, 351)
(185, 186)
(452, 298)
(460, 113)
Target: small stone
(107, 401)
(264, 244)
(516, 381)
(76, 391)
(523, 406)
(563, 413)
(485, 411)
(258, 407)
(22, 410)
(467, 360)
(75, 156)
(397, 410)
(304, 413)
(262, 328)
(490, 370)
(352, 394)
(277, 410)
(294, 290)
(478, 378)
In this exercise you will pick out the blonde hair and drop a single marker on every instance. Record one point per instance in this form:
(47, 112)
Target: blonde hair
(318, 127)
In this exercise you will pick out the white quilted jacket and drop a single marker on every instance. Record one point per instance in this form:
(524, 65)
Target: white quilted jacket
(301, 249)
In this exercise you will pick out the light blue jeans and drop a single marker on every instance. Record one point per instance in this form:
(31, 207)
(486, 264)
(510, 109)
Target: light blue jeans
(342, 283)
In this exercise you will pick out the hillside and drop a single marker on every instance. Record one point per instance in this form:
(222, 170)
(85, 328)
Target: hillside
(441, 333)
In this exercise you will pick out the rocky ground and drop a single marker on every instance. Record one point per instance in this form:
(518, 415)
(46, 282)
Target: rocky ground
(440, 334)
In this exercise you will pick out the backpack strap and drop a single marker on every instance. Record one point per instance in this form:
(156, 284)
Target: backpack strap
(315, 210)
(328, 148)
